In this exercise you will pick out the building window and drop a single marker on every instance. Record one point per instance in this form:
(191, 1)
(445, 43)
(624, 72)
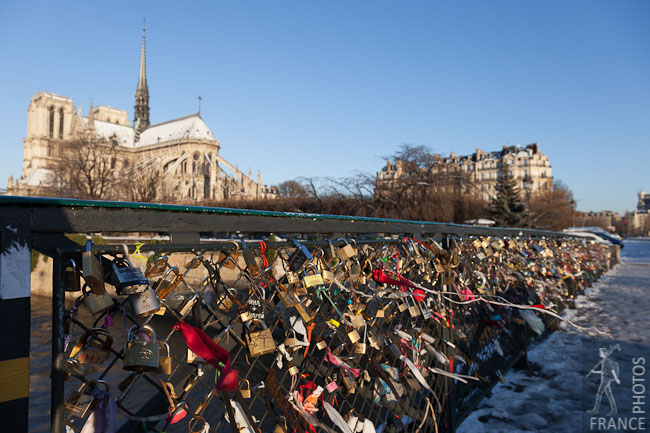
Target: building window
(51, 121)
(60, 122)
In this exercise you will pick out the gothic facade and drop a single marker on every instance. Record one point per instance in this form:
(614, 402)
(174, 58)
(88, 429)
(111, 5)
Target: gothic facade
(184, 149)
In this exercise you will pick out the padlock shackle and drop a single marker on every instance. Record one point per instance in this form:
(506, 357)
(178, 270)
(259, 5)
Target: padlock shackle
(133, 333)
(251, 322)
(164, 343)
(107, 344)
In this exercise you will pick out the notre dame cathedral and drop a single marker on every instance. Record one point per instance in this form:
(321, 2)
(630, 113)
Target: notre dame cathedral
(184, 149)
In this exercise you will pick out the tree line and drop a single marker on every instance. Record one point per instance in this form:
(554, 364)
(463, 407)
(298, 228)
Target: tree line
(90, 168)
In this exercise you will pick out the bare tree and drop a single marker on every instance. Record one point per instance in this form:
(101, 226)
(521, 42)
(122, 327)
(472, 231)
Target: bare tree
(291, 189)
(86, 168)
(144, 181)
(554, 209)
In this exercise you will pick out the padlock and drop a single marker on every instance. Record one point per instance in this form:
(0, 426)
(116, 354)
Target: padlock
(226, 301)
(72, 277)
(251, 264)
(356, 320)
(94, 352)
(321, 344)
(360, 347)
(92, 270)
(312, 280)
(164, 362)
(299, 257)
(229, 260)
(331, 385)
(144, 303)
(245, 391)
(126, 278)
(96, 303)
(293, 370)
(434, 246)
(354, 336)
(363, 278)
(187, 306)
(259, 342)
(414, 310)
(288, 298)
(329, 254)
(292, 277)
(193, 358)
(194, 263)
(346, 251)
(350, 384)
(80, 403)
(141, 350)
(176, 411)
(328, 276)
(448, 278)
(157, 267)
(291, 342)
(165, 286)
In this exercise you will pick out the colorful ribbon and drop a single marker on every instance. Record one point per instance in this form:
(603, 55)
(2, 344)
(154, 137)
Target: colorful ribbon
(204, 347)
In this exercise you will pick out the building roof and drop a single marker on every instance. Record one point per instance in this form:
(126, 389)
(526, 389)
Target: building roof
(39, 176)
(189, 127)
(183, 128)
(122, 133)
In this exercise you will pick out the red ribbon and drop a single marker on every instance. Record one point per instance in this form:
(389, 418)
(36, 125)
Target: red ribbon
(204, 347)
(379, 276)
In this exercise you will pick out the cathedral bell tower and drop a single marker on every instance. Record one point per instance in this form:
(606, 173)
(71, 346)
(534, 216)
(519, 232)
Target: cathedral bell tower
(141, 113)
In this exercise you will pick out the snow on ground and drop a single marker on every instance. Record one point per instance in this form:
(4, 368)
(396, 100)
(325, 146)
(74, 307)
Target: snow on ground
(554, 393)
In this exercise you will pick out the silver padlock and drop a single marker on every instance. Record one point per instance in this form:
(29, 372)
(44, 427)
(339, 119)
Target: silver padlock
(144, 303)
(96, 303)
(92, 270)
(141, 351)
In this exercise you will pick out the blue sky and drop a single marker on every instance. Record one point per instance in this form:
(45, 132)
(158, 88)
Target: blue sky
(299, 88)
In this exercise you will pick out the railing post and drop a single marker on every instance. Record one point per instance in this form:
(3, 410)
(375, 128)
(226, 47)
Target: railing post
(15, 312)
(58, 334)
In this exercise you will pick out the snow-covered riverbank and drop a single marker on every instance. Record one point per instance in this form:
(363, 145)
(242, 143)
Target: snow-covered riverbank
(555, 393)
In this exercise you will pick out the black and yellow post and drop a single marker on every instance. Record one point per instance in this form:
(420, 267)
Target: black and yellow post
(15, 321)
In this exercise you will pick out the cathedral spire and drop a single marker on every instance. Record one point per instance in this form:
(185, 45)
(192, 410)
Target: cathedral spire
(141, 113)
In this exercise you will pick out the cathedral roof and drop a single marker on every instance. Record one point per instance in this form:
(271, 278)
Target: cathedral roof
(122, 133)
(189, 127)
(183, 128)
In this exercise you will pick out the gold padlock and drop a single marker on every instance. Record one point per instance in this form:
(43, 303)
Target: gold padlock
(350, 384)
(79, 404)
(346, 251)
(226, 301)
(293, 370)
(229, 260)
(259, 342)
(360, 347)
(291, 342)
(164, 362)
(94, 352)
(245, 391)
(354, 336)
